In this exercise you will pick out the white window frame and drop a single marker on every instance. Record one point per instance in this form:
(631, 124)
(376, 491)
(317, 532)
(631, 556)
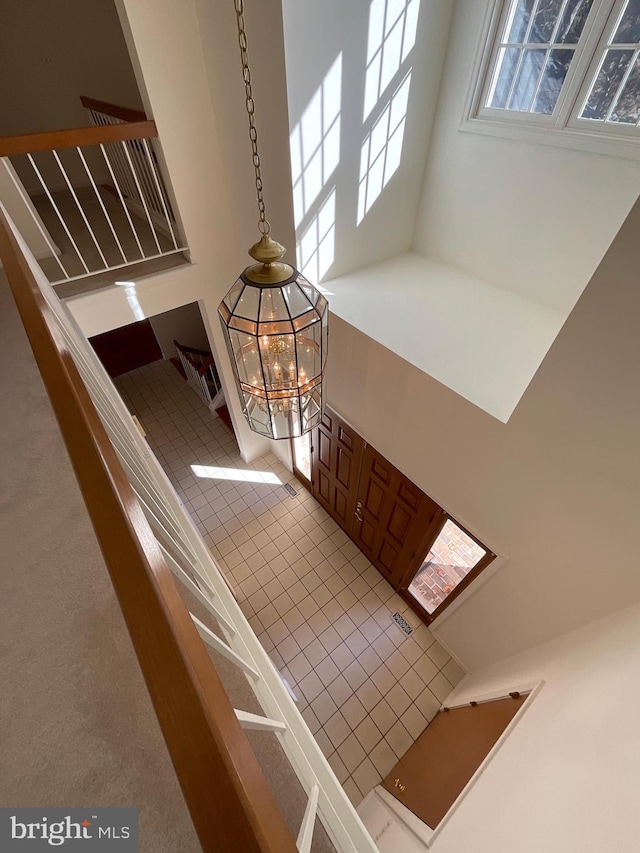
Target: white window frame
(620, 130)
(563, 127)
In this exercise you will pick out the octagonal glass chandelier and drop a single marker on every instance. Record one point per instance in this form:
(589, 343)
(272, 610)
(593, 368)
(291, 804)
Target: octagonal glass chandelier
(275, 322)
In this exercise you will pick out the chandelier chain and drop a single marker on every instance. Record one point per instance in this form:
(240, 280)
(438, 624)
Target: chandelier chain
(263, 223)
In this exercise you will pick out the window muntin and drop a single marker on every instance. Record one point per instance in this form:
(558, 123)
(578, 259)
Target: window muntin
(613, 95)
(536, 48)
(566, 65)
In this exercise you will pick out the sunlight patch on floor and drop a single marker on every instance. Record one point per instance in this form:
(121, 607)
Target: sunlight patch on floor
(214, 473)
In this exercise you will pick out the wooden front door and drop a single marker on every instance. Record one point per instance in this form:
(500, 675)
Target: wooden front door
(435, 769)
(393, 518)
(336, 458)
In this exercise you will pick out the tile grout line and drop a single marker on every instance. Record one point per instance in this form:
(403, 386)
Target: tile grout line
(315, 601)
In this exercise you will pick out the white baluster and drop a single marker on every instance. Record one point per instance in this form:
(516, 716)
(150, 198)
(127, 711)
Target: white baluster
(308, 822)
(29, 205)
(254, 722)
(80, 208)
(226, 651)
(101, 203)
(118, 189)
(58, 214)
(153, 170)
(125, 148)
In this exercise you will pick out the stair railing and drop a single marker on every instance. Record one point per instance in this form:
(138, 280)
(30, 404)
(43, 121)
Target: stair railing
(144, 162)
(201, 372)
(99, 190)
(146, 536)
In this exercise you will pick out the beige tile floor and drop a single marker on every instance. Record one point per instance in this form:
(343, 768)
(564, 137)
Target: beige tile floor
(319, 607)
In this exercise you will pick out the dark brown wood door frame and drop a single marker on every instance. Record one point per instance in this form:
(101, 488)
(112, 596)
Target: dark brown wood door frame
(430, 538)
(349, 514)
(391, 517)
(297, 473)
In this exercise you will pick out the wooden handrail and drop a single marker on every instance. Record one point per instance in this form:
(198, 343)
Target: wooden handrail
(227, 795)
(75, 137)
(186, 350)
(122, 113)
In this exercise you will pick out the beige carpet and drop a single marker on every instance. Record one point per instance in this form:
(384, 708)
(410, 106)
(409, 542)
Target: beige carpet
(76, 724)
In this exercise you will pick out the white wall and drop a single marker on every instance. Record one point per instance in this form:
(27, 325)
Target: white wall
(264, 29)
(51, 54)
(315, 35)
(183, 324)
(536, 219)
(481, 341)
(198, 117)
(556, 490)
(54, 52)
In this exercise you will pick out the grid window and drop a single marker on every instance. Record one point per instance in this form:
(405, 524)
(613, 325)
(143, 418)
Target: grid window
(538, 44)
(571, 65)
(614, 91)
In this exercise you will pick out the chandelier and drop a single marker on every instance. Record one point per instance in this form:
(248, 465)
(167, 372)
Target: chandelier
(275, 321)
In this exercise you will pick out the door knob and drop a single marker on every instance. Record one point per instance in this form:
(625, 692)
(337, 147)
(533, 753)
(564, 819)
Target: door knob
(399, 785)
(358, 517)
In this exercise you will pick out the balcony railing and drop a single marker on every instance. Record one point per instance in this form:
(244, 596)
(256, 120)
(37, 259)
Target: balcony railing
(201, 373)
(147, 540)
(145, 166)
(96, 195)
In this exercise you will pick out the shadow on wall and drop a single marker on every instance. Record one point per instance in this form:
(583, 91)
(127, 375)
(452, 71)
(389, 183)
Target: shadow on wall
(354, 100)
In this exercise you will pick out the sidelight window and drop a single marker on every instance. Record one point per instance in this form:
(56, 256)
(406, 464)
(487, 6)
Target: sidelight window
(452, 557)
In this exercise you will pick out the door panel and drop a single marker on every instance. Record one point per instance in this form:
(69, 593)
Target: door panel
(373, 500)
(336, 467)
(433, 772)
(392, 518)
(323, 445)
(399, 523)
(387, 516)
(344, 465)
